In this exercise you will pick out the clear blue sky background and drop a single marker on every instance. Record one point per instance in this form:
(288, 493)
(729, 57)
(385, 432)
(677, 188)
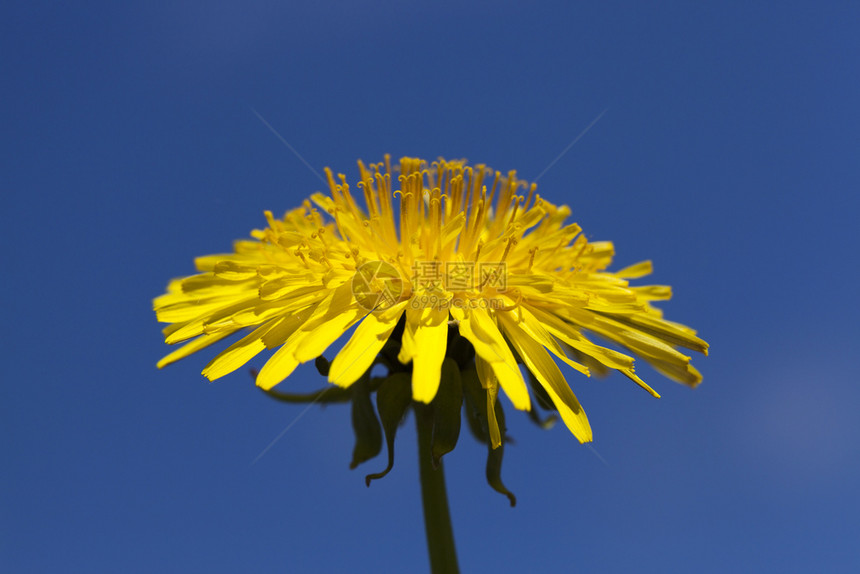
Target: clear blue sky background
(728, 155)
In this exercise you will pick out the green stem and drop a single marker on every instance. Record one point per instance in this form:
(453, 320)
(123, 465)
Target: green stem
(437, 519)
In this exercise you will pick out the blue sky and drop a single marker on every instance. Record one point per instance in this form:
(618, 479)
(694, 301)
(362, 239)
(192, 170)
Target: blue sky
(728, 154)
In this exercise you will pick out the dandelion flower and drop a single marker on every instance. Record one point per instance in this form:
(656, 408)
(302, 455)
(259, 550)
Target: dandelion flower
(418, 251)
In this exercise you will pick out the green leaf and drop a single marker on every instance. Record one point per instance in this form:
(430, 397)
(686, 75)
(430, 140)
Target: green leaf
(476, 402)
(392, 400)
(446, 411)
(368, 434)
(494, 459)
(494, 473)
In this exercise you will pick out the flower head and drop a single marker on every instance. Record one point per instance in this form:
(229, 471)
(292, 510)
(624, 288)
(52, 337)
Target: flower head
(429, 249)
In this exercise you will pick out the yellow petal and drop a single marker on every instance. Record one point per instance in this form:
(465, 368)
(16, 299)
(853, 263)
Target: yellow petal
(407, 342)
(650, 347)
(288, 287)
(491, 384)
(277, 368)
(326, 323)
(362, 348)
(330, 320)
(195, 327)
(636, 270)
(485, 373)
(667, 331)
(533, 327)
(571, 335)
(234, 271)
(633, 377)
(687, 374)
(478, 328)
(316, 341)
(208, 262)
(278, 335)
(492, 421)
(431, 339)
(264, 310)
(193, 346)
(237, 354)
(540, 363)
(175, 308)
(653, 292)
(206, 283)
